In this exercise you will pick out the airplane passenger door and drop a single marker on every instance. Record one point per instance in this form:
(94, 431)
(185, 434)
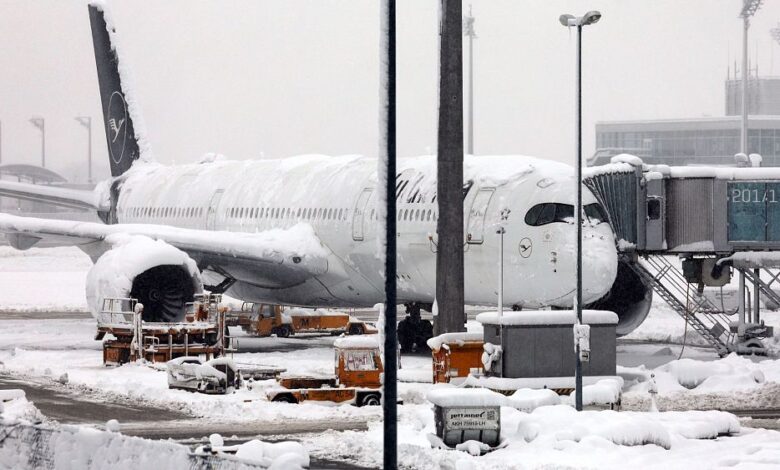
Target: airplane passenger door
(359, 215)
(211, 214)
(475, 233)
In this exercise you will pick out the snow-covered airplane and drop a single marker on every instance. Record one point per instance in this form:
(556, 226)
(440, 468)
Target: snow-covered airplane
(303, 230)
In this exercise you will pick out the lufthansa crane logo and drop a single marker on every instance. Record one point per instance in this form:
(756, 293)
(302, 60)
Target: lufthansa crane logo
(117, 128)
(526, 247)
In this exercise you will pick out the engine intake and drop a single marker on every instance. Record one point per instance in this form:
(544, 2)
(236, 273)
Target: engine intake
(630, 298)
(162, 278)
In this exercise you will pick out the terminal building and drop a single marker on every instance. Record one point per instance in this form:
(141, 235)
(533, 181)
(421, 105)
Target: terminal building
(700, 141)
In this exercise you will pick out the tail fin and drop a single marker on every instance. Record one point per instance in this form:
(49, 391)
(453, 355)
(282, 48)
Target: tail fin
(123, 148)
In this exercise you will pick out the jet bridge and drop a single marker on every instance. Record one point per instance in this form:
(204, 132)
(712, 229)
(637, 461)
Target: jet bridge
(717, 221)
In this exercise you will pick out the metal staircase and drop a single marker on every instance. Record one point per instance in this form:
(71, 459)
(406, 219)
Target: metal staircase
(706, 319)
(765, 287)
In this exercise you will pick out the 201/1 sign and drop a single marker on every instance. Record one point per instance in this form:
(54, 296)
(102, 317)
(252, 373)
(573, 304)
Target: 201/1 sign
(753, 195)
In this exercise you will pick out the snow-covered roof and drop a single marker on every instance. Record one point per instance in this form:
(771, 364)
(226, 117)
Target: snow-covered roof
(357, 342)
(455, 396)
(548, 317)
(460, 337)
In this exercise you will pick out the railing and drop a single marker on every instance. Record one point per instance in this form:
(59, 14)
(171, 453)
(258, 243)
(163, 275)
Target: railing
(668, 282)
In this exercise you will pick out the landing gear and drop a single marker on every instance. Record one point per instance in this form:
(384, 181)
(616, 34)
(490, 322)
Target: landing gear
(413, 331)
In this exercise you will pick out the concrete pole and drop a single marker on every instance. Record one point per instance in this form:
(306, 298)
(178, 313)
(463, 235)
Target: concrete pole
(745, 73)
(449, 256)
(471, 35)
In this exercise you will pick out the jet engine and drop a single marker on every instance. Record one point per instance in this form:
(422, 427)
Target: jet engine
(162, 277)
(629, 297)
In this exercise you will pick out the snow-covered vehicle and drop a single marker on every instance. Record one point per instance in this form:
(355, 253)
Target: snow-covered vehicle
(357, 379)
(265, 320)
(217, 376)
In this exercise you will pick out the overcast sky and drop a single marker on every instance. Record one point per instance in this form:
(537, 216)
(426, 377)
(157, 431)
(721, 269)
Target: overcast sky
(275, 78)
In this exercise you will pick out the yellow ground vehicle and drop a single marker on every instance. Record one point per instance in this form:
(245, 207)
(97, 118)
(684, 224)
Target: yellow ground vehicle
(266, 320)
(357, 379)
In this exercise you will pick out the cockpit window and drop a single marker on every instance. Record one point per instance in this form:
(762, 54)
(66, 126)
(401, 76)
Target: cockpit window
(549, 212)
(596, 214)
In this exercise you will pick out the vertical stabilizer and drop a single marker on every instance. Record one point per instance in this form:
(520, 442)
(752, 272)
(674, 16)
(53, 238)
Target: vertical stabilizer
(123, 148)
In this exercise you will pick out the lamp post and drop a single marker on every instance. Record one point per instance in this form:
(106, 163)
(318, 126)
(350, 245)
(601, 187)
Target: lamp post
(86, 121)
(569, 21)
(40, 123)
(749, 8)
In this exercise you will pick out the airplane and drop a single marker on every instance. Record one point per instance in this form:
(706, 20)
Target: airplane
(303, 230)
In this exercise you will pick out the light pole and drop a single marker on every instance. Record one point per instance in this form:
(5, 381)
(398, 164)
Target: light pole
(569, 21)
(40, 123)
(86, 121)
(749, 8)
(468, 30)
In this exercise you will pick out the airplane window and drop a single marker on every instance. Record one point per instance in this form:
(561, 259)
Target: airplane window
(596, 214)
(339, 215)
(549, 212)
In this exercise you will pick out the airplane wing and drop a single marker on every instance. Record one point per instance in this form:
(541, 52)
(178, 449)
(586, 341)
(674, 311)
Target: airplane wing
(273, 258)
(65, 197)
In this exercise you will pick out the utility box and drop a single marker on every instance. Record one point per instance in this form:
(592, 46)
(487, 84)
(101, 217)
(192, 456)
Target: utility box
(540, 344)
(466, 414)
(455, 356)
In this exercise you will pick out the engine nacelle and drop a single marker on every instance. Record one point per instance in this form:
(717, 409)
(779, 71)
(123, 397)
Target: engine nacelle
(162, 278)
(630, 298)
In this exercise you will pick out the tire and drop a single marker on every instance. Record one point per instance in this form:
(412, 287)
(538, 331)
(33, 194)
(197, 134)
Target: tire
(355, 329)
(283, 331)
(371, 399)
(284, 398)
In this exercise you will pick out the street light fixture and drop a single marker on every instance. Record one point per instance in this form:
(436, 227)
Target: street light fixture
(86, 121)
(40, 123)
(569, 21)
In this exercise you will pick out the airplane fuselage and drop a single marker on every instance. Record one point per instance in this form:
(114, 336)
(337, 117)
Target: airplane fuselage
(338, 197)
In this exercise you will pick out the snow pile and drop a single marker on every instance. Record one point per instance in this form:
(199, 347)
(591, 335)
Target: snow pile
(447, 396)
(274, 455)
(113, 274)
(731, 373)
(603, 392)
(74, 447)
(564, 423)
(528, 399)
(14, 407)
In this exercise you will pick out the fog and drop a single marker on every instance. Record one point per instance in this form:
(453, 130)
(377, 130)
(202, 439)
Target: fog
(275, 78)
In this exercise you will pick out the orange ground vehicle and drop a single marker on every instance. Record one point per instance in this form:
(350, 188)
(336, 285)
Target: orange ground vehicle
(455, 356)
(266, 320)
(358, 376)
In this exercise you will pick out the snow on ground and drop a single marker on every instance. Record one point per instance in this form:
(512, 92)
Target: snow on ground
(43, 279)
(548, 436)
(559, 437)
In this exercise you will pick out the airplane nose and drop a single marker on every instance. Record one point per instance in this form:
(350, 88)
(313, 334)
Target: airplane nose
(599, 264)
